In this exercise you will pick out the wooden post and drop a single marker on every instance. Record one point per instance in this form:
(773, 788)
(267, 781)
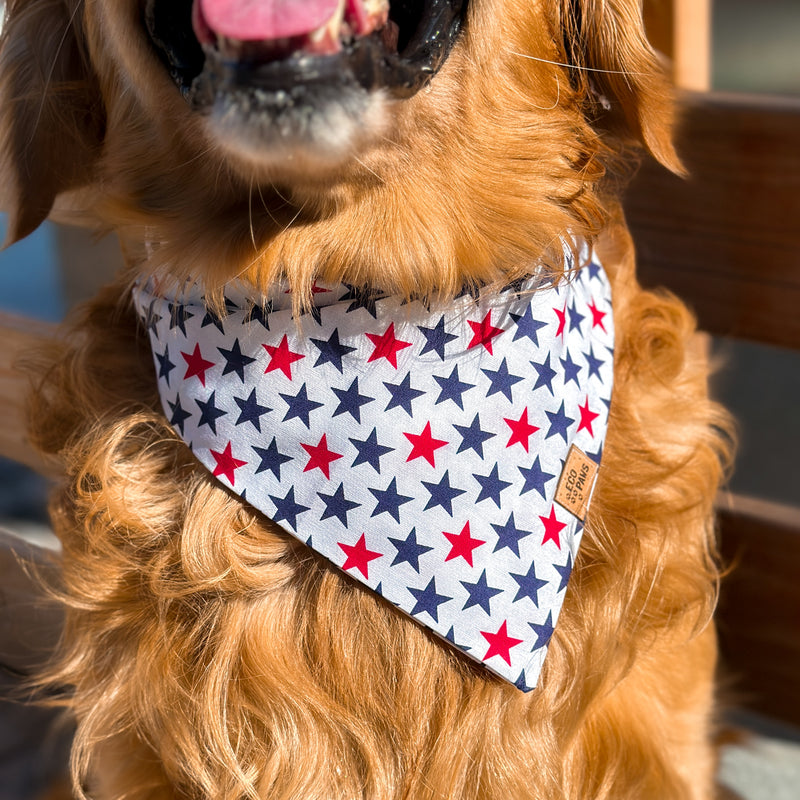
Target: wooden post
(681, 29)
(692, 25)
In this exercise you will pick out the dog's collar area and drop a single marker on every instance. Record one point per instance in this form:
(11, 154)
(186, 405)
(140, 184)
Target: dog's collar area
(370, 45)
(442, 455)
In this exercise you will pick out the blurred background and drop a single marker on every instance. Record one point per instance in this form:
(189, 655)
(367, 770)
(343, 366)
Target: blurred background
(755, 49)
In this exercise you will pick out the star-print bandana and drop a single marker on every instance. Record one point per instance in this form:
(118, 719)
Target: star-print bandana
(443, 456)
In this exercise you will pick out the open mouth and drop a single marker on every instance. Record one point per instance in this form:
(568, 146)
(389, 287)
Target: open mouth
(268, 47)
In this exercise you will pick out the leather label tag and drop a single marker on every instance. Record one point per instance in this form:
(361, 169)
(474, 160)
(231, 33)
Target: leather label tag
(576, 482)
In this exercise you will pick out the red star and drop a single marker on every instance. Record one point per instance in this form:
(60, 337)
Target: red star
(462, 544)
(587, 417)
(282, 358)
(314, 289)
(424, 445)
(483, 333)
(320, 456)
(597, 316)
(521, 430)
(358, 557)
(196, 365)
(552, 528)
(562, 319)
(226, 463)
(386, 345)
(500, 644)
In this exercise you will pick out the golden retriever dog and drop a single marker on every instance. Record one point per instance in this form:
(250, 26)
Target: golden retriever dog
(413, 148)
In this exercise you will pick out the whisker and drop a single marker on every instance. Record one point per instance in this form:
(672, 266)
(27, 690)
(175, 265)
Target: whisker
(558, 98)
(250, 215)
(575, 66)
(264, 204)
(49, 78)
(368, 169)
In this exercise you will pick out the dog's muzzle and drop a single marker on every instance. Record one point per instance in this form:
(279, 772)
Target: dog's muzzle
(270, 48)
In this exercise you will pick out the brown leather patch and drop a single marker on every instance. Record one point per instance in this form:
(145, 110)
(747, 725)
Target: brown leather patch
(576, 482)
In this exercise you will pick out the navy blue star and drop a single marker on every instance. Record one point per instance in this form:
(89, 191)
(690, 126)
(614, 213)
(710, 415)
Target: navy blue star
(350, 401)
(235, 360)
(559, 423)
(571, 370)
(286, 509)
(402, 394)
(594, 363)
(575, 318)
(521, 683)
(315, 311)
(152, 318)
(452, 388)
(271, 459)
(480, 593)
(598, 456)
(516, 285)
(209, 412)
(424, 300)
(332, 350)
(564, 572)
(594, 270)
(300, 406)
(442, 493)
(178, 315)
(472, 437)
(408, 550)
(179, 414)
(501, 380)
(527, 326)
(508, 535)
(529, 585)
(212, 318)
(361, 298)
(543, 632)
(428, 600)
(389, 500)
(471, 289)
(535, 478)
(165, 366)
(369, 451)
(251, 410)
(259, 313)
(337, 505)
(546, 374)
(436, 338)
(491, 486)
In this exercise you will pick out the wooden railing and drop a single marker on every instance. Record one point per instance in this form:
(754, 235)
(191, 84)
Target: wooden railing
(727, 240)
(18, 335)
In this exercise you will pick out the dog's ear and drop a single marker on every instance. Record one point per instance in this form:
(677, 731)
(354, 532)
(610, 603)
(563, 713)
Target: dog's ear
(625, 80)
(51, 115)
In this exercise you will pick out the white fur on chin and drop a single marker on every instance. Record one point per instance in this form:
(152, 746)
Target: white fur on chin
(302, 143)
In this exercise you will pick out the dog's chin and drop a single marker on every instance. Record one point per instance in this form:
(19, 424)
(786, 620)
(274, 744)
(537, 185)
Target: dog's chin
(306, 140)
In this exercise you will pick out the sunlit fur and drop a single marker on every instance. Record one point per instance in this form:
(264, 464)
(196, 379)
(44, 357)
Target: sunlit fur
(209, 655)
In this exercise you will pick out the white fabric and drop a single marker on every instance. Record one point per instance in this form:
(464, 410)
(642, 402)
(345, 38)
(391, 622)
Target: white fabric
(418, 449)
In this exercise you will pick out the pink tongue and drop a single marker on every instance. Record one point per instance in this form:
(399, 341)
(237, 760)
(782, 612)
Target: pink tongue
(256, 20)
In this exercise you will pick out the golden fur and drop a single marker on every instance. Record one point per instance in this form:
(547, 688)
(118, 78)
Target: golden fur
(208, 654)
